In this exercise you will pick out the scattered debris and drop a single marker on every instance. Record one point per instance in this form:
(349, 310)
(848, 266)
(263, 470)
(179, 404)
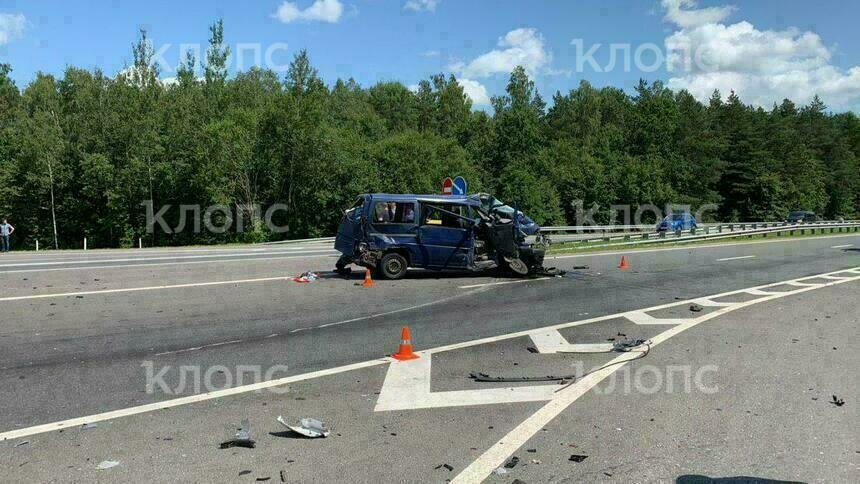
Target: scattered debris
(446, 466)
(107, 464)
(837, 401)
(242, 437)
(306, 277)
(89, 426)
(22, 443)
(283, 476)
(696, 308)
(512, 463)
(500, 471)
(577, 457)
(309, 427)
(628, 344)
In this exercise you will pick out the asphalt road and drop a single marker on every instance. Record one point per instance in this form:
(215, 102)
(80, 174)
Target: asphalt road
(80, 330)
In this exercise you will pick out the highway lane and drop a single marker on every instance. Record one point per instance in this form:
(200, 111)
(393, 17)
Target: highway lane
(761, 410)
(84, 355)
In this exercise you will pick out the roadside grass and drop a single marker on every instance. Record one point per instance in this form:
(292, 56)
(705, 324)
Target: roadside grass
(581, 247)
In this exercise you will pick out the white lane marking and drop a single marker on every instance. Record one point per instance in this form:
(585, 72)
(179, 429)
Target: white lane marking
(551, 341)
(643, 318)
(148, 288)
(141, 259)
(123, 266)
(203, 347)
(496, 455)
(696, 247)
(736, 258)
(407, 386)
(842, 246)
(388, 313)
(76, 422)
(518, 281)
(39, 429)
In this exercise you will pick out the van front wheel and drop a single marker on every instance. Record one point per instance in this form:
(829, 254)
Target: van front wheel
(393, 266)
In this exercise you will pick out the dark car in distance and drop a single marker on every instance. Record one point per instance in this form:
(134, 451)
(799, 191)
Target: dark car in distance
(801, 216)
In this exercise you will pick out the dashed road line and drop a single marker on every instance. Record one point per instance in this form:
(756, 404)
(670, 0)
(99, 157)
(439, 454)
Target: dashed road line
(518, 281)
(724, 259)
(845, 246)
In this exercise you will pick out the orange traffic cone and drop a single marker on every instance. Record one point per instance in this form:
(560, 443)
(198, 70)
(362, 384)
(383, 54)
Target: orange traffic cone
(623, 266)
(368, 281)
(404, 352)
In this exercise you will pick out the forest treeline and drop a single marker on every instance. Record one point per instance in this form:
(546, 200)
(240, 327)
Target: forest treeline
(83, 152)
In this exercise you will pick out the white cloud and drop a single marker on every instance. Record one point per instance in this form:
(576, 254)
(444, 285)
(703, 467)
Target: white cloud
(476, 92)
(684, 13)
(11, 27)
(762, 66)
(419, 5)
(320, 11)
(430, 53)
(520, 47)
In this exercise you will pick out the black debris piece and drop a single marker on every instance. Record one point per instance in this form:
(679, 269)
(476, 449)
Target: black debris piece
(837, 401)
(512, 463)
(448, 467)
(607, 474)
(580, 267)
(263, 479)
(518, 481)
(531, 450)
(22, 443)
(577, 457)
(89, 426)
(532, 349)
(621, 334)
(244, 473)
(696, 308)
(283, 476)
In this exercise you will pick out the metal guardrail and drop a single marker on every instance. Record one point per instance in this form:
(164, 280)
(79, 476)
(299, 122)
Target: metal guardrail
(718, 231)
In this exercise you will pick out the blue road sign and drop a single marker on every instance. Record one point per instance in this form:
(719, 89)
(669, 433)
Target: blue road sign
(459, 186)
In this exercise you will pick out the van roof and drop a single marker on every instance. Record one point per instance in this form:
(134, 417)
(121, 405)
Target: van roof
(409, 197)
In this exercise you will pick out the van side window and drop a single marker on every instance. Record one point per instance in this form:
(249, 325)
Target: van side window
(432, 215)
(393, 213)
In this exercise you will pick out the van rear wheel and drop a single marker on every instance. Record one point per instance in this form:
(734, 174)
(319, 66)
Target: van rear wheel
(393, 266)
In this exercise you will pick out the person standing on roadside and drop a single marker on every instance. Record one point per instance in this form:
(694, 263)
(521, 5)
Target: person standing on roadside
(6, 230)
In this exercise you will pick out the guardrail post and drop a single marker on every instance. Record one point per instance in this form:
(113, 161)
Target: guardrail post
(662, 235)
(645, 236)
(692, 231)
(707, 230)
(731, 227)
(754, 226)
(719, 229)
(802, 231)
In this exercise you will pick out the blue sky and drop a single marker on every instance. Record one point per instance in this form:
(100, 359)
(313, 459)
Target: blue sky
(764, 49)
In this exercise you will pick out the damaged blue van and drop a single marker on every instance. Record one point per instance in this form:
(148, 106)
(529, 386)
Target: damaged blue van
(392, 233)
